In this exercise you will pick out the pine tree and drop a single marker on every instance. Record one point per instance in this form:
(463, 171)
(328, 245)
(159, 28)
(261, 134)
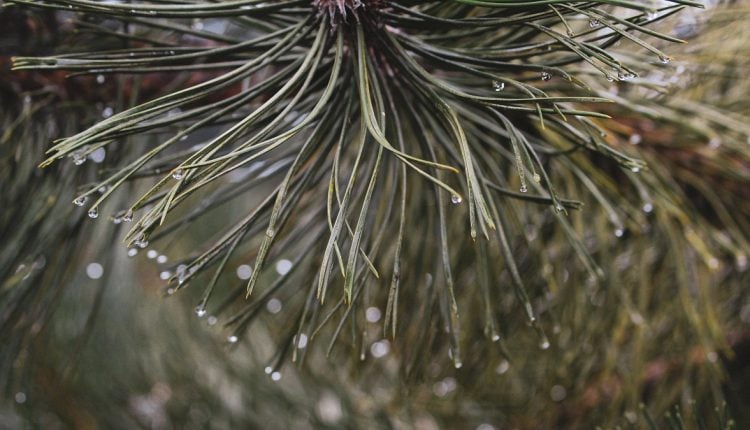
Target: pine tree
(505, 186)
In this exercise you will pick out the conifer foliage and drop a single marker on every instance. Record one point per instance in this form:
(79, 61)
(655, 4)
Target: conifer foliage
(467, 169)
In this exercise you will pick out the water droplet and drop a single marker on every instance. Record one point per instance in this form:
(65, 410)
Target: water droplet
(372, 314)
(200, 311)
(93, 212)
(648, 208)
(457, 363)
(559, 207)
(502, 367)
(98, 155)
(94, 270)
(664, 60)
(741, 261)
(80, 201)
(495, 337)
(537, 178)
(635, 139)
(283, 267)
(276, 376)
(128, 216)
(161, 259)
(151, 254)
(141, 242)
(593, 22)
(20, 397)
(302, 342)
(713, 263)
(619, 232)
(270, 232)
(544, 344)
(714, 143)
(107, 112)
(100, 79)
(546, 76)
(635, 169)
(380, 348)
(170, 291)
(456, 199)
(273, 306)
(244, 272)
(557, 393)
(164, 275)
(132, 252)
(178, 174)
(79, 157)
(524, 188)
(498, 85)
(212, 320)
(232, 339)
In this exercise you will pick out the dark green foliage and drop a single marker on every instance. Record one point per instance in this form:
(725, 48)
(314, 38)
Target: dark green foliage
(465, 167)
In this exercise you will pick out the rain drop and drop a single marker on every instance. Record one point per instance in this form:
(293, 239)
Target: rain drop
(619, 232)
(132, 252)
(664, 60)
(302, 342)
(151, 254)
(94, 270)
(456, 199)
(283, 267)
(273, 306)
(200, 311)
(98, 155)
(276, 376)
(546, 76)
(128, 216)
(93, 212)
(100, 79)
(79, 201)
(635, 169)
(380, 348)
(593, 22)
(544, 344)
(557, 393)
(648, 208)
(141, 242)
(502, 367)
(524, 188)
(537, 178)
(244, 272)
(178, 174)
(232, 339)
(79, 157)
(372, 314)
(498, 86)
(161, 259)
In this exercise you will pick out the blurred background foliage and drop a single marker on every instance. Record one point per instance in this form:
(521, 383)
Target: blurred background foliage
(89, 339)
